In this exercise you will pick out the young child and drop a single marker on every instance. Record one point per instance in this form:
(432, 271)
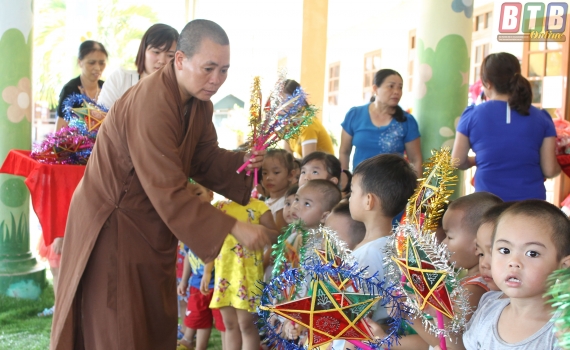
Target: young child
(381, 186)
(199, 316)
(320, 165)
(276, 177)
(238, 272)
(531, 240)
(313, 202)
(289, 199)
(460, 223)
(348, 230)
(483, 241)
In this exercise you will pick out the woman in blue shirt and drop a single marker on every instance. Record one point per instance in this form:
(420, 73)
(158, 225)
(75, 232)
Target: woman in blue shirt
(381, 126)
(514, 142)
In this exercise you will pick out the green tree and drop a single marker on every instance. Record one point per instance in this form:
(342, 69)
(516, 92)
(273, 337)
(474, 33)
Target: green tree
(119, 27)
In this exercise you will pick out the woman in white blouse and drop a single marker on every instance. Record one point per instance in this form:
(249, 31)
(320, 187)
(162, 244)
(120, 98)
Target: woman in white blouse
(157, 48)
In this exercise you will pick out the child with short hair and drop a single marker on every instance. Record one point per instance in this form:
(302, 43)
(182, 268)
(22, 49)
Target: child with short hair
(238, 272)
(484, 241)
(381, 187)
(276, 177)
(530, 241)
(289, 199)
(199, 316)
(348, 230)
(320, 165)
(313, 202)
(460, 223)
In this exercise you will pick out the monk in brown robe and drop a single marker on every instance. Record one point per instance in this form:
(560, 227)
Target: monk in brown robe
(117, 283)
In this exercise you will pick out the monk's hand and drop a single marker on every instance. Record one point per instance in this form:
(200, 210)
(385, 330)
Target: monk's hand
(255, 158)
(253, 237)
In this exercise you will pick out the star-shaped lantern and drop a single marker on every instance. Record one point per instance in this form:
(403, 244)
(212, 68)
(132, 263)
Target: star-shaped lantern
(426, 206)
(328, 256)
(427, 282)
(329, 315)
(91, 115)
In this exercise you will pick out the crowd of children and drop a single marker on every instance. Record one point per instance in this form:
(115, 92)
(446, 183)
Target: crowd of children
(506, 250)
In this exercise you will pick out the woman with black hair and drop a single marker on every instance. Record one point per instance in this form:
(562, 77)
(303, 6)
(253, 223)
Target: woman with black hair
(92, 59)
(514, 141)
(156, 49)
(381, 126)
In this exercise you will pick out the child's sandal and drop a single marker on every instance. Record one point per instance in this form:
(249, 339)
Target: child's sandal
(180, 346)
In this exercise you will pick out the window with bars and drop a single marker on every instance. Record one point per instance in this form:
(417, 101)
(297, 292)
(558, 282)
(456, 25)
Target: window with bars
(544, 59)
(372, 63)
(481, 51)
(334, 81)
(483, 21)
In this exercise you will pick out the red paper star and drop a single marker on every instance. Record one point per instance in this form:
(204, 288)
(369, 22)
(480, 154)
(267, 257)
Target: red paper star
(329, 316)
(428, 282)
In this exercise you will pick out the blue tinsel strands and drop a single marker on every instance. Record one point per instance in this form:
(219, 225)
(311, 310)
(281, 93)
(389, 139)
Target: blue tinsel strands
(75, 120)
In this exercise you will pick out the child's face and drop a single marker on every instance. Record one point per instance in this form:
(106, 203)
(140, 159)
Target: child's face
(287, 209)
(460, 243)
(341, 225)
(275, 176)
(307, 207)
(483, 246)
(357, 199)
(314, 170)
(523, 255)
(203, 193)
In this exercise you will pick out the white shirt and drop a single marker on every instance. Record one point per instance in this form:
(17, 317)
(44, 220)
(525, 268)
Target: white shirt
(274, 204)
(371, 255)
(482, 330)
(116, 85)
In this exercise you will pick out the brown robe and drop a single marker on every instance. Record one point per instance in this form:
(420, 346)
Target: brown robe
(117, 285)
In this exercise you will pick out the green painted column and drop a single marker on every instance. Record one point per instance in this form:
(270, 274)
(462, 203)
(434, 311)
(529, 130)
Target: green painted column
(20, 274)
(442, 70)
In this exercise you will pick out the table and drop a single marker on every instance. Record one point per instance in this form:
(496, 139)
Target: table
(51, 187)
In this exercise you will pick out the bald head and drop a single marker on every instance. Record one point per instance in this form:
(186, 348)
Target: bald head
(196, 31)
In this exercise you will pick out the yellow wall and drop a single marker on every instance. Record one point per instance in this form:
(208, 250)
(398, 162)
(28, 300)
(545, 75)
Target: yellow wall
(314, 50)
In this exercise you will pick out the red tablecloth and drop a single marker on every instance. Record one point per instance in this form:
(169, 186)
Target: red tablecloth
(51, 187)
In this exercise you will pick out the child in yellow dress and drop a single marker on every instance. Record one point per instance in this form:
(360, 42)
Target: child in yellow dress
(238, 272)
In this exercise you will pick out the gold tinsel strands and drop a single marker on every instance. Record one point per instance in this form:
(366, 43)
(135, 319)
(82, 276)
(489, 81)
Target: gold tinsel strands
(254, 109)
(425, 207)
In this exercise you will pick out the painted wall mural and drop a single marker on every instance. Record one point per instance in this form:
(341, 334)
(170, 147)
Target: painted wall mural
(442, 79)
(15, 133)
